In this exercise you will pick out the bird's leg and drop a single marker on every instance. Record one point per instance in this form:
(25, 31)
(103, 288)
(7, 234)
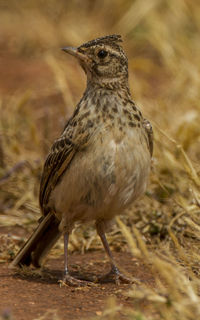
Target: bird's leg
(114, 272)
(66, 240)
(68, 279)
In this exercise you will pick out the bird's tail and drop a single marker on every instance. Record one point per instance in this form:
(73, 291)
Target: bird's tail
(40, 242)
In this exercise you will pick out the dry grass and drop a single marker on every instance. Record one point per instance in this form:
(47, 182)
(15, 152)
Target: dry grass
(162, 41)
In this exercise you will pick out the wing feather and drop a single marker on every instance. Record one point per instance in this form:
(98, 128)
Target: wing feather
(57, 162)
(59, 159)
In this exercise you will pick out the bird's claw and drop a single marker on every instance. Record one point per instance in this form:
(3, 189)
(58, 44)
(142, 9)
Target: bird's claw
(73, 282)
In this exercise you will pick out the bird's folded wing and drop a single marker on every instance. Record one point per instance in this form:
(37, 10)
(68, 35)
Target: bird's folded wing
(58, 161)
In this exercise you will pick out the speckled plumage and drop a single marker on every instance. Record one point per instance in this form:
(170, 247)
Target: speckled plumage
(100, 163)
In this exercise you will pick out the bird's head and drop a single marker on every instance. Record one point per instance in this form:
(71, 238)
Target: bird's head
(102, 59)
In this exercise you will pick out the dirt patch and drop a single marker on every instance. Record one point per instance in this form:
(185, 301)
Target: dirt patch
(29, 296)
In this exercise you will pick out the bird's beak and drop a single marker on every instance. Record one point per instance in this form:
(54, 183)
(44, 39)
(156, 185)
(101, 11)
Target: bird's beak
(74, 52)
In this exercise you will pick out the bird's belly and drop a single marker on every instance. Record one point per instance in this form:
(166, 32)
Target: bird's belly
(102, 181)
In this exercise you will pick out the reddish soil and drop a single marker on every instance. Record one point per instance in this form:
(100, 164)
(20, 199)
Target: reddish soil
(28, 296)
(17, 74)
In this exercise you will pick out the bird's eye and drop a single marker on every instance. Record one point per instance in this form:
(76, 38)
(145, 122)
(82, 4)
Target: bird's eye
(102, 54)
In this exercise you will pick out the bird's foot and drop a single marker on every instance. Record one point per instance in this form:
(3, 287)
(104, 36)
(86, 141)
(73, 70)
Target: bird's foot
(115, 276)
(73, 282)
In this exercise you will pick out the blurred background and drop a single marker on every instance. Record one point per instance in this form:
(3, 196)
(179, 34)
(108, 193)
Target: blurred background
(40, 86)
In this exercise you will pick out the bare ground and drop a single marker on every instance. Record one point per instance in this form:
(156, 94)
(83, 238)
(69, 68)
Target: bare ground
(26, 295)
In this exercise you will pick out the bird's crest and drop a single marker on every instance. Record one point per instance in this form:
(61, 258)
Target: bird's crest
(114, 38)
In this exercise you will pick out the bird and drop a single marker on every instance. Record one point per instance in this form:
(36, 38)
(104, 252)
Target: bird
(101, 162)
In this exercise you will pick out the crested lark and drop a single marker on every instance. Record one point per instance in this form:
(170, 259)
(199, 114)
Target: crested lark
(101, 162)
